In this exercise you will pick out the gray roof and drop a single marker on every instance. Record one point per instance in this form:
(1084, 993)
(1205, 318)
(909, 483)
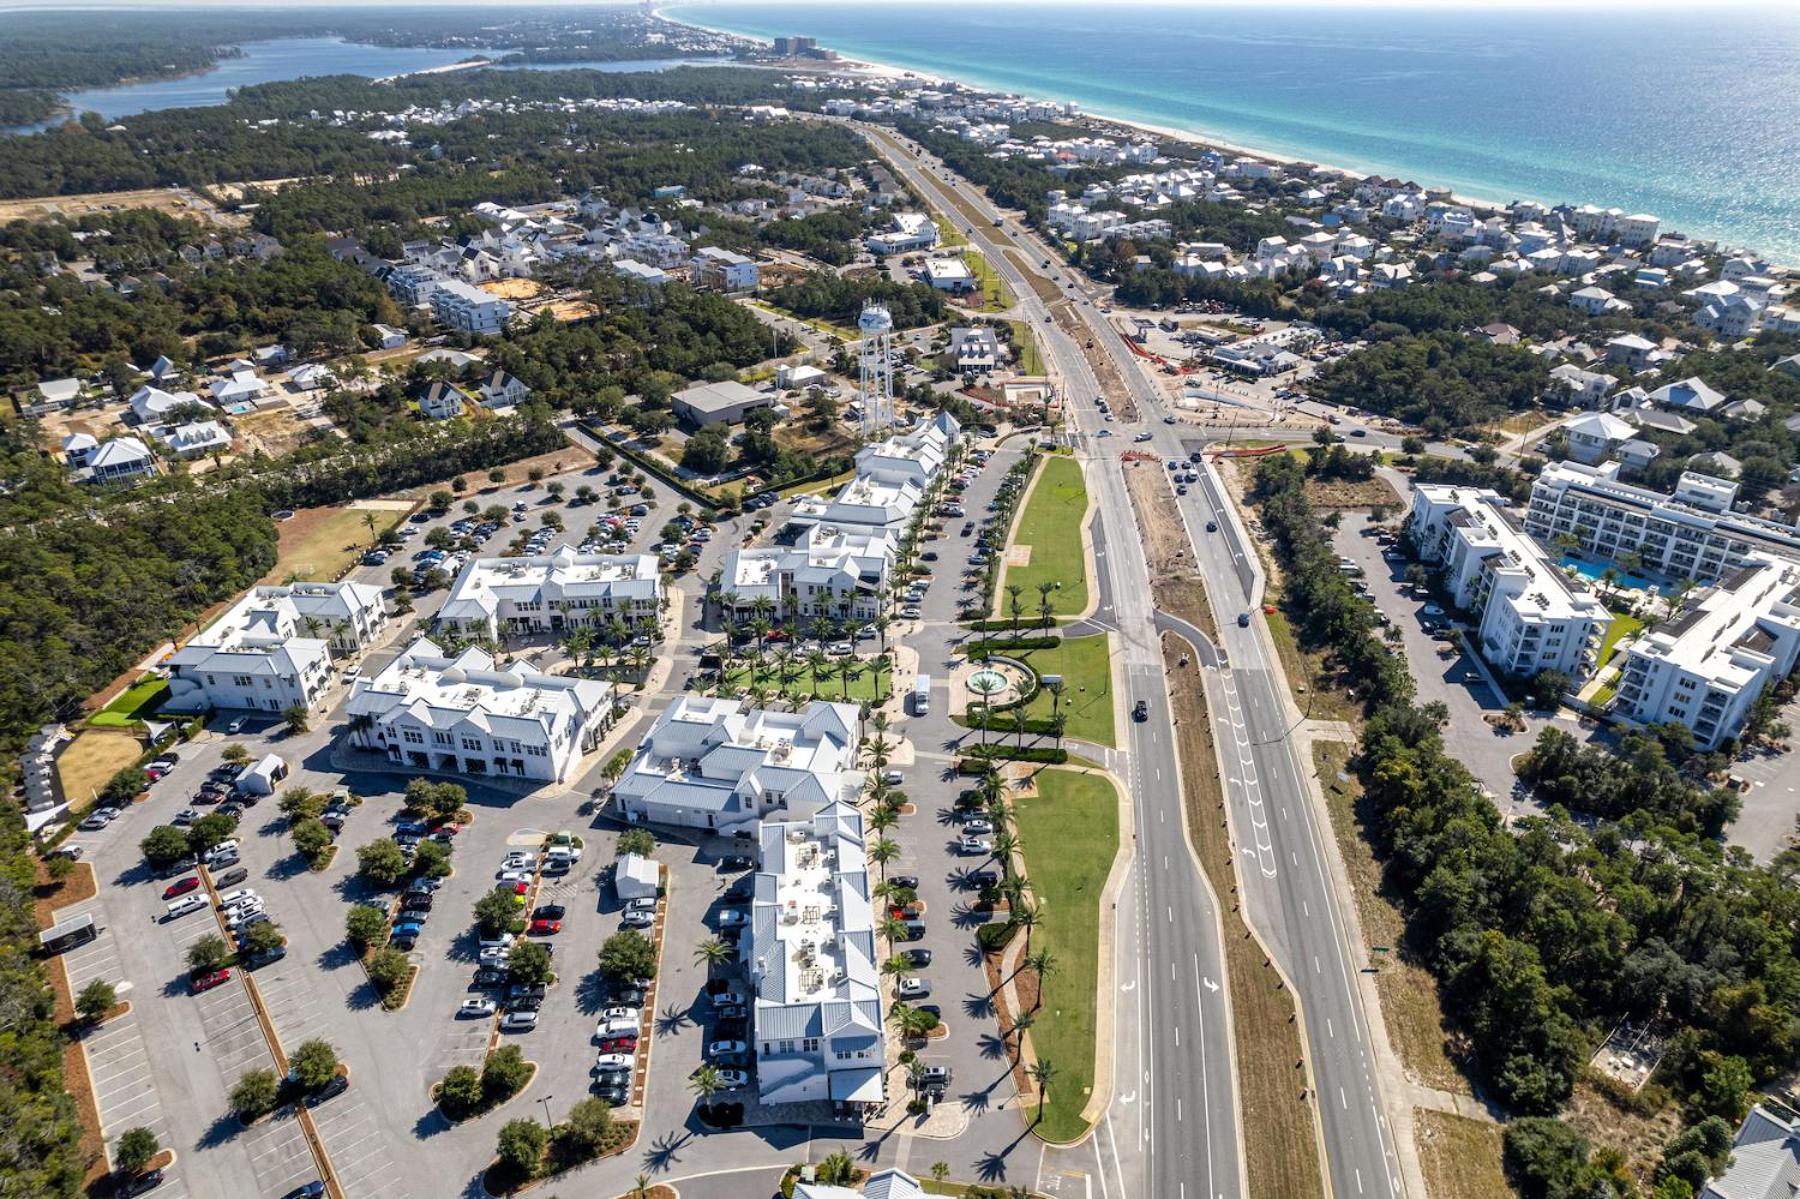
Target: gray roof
(1765, 1160)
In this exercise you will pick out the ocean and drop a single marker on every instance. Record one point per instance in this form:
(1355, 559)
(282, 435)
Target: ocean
(1693, 116)
(296, 58)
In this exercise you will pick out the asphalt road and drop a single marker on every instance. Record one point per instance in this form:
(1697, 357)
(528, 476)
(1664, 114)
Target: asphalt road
(1172, 1127)
(1289, 898)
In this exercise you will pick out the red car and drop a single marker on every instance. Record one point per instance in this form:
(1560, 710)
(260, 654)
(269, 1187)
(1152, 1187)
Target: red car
(625, 1044)
(180, 887)
(547, 920)
(545, 928)
(520, 887)
(206, 982)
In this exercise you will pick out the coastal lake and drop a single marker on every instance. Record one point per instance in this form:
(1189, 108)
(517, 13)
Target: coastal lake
(1692, 114)
(297, 58)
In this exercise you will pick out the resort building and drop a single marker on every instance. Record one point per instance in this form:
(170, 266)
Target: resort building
(950, 274)
(465, 307)
(892, 476)
(829, 571)
(256, 656)
(1765, 1158)
(551, 592)
(974, 350)
(1708, 667)
(883, 1184)
(1530, 617)
(119, 460)
(461, 715)
(723, 269)
(810, 953)
(906, 232)
(718, 765)
(1692, 534)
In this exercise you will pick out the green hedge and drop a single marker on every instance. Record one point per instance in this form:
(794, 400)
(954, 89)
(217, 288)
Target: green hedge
(1030, 753)
(1010, 645)
(1004, 721)
(994, 937)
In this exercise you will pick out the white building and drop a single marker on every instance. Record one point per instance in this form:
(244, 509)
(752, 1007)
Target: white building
(502, 390)
(259, 655)
(1708, 667)
(120, 460)
(640, 272)
(1692, 534)
(810, 952)
(1530, 617)
(950, 274)
(719, 765)
(463, 306)
(797, 376)
(194, 440)
(442, 401)
(154, 406)
(906, 232)
(1584, 389)
(462, 715)
(975, 349)
(833, 572)
(724, 403)
(724, 270)
(891, 478)
(883, 1184)
(552, 592)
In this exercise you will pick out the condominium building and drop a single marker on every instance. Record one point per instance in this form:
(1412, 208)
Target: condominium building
(1690, 534)
(463, 715)
(892, 476)
(1708, 667)
(1530, 617)
(349, 616)
(719, 765)
(724, 270)
(810, 952)
(551, 592)
(829, 571)
(463, 306)
(264, 653)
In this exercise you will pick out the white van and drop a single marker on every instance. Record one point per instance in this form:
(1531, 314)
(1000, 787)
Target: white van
(922, 696)
(191, 902)
(616, 1028)
(232, 899)
(224, 849)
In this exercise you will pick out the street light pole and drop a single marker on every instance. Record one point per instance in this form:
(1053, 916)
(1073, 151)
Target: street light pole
(545, 1100)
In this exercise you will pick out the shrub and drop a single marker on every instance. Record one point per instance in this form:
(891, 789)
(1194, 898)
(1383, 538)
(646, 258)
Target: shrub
(589, 1122)
(381, 862)
(314, 1064)
(365, 925)
(521, 1147)
(628, 954)
(504, 1074)
(311, 839)
(261, 938)
(460, 1093)
(209, 830)
(164, 845)
(208, 953)
(495, 910)
(387, 969)
(528, 963)
(432, 860)
(135, 1150)
(637, 840)
(96, 999)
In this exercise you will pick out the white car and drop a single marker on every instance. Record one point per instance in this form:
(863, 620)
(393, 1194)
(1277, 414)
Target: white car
(232, 899)
(733, 1080)
(910, 612)
(518, 1022)
(610, 1014)
(494, 957)
(615, 1061)
(187, 903)
(973, 845)
(519, 860)
(477, 1007)
(840, 649)
(242, 913)
(237, 725)
(512, 876)
(724, 1048)
(638, 919)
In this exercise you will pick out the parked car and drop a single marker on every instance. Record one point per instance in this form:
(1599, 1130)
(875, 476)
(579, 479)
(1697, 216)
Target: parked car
(139, 1184)
(978, 825)
(477, 1007)
(725, 1048)
(910, 987)
(188, 903)
(973, 845)
(208, 980)
(331, 1090)
(638, 919)
(918, 959)
(181, 887)
(614, 1061)
(518, 1021)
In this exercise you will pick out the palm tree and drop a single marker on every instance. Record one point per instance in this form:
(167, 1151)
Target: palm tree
(641, 1184)
(1045, 608)
(1004, 844)
(913, 1023)
(1027, 918)
(881, 627)
(1020, 1026)
(1013, 603)
(706, 1083)
(1042, 964)
(1059, 724)
(369, 523)
(892, 929)
(817, 664)
(714, 951)
(848, 669)
(883, 818)
(883, 852)
(898, 964)
(940, 1171)
(1043, 1073)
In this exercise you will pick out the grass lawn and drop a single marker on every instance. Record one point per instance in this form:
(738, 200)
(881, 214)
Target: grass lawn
(1623, 625)
(1087, 699)
(1031, 362)
(1051, 526)
(93, 758)
(132, 704)
(1068, 834)
(1459, 1157)
(994, 295)
(1328, 699)
(870, 682)
(318, 543)
(949, 236)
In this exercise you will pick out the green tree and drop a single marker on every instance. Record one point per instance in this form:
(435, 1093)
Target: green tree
(300, 803)
(521, 1147)
(431, 860)
(495, 910)
(505, 1073)
(96, 999)
(311, 839)
(387, 969)
(460, 1093)
(209, 830)
(637, 840)
(1725, 1089)
(137, 1148)
(588, 1126)
(236, 755)
(164, 845)
(714, 951)
(313, 1064)
(208, 953)
(381, 862)
(295, 718)
(528, 964)
(626, 955)
(261, 938)
(254, 1095)
(365, 925)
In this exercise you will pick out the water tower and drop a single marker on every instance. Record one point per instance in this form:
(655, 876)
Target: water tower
(875, 368)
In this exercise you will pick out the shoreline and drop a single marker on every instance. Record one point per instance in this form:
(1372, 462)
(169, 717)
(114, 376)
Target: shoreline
(866, 68)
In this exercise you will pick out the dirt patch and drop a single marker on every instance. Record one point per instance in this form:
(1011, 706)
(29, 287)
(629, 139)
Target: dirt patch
(1281, 1151)
(91, 759)
(512, 289)
(1342, 493)
(570, 311)
(1459, 1157)
(320, 544)
(1611, 1125)
(48, 895)
(274, 431)
(1018, 555)
(175, 201)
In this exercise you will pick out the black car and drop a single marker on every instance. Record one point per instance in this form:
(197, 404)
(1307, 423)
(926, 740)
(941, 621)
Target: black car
(549, 911)
(418, 901)
(258, 960)
(1212, 526)
(904, 882)
(615, 1095)
(488, 976)
(918, 959)
(231, 878)
(628, 997)
(524, 1003)
(139, 1184)
(330, 1090)
(734, 861)
(968, 527)
(1140, 711)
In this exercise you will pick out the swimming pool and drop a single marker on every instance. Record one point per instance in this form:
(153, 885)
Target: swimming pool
(1592, 571)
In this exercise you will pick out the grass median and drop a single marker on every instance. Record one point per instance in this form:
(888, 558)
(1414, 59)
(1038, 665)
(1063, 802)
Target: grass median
(1048, 537)
(1068, 835)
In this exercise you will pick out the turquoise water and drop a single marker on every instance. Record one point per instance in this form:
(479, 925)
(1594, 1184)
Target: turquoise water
(1693, 116)
(1592, 571)
(298, 58)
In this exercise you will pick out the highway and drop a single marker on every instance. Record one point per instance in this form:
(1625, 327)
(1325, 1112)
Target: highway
(1276, 813)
